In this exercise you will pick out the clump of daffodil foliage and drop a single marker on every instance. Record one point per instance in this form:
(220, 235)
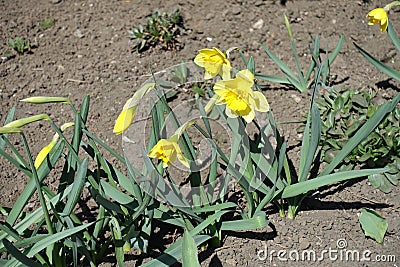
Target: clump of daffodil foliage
(160, 29)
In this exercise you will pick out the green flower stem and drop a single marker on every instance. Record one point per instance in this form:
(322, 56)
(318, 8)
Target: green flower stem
(390, 5)
(60, 133)
(38, 187)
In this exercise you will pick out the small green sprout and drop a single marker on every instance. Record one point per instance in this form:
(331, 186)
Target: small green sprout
(19, 45)
(46, 24)
(160, 29)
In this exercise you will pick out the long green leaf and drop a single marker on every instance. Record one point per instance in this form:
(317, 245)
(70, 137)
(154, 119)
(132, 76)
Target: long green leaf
(189, 251)
(19, 255)
(115, 194)
(35, 216)
(77, 187)
(216, 207)
(174, 253)
(337, 49)
(26, 194)
(271, 78)
(42, 244)
(209, 220)
(312, 184)
(259, 220)
(393, 36)
(312, 145)
(379, 65)
(280, 63)
(117, 235)
(25, 242)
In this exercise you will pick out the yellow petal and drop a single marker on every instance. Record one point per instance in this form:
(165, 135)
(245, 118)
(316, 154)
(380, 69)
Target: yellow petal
(249, 117)
(43, 154)
(226, 72)
(124, 120)
(229, 112)
(246, 78)
(384, 25)
(180, 155)
(260, 101)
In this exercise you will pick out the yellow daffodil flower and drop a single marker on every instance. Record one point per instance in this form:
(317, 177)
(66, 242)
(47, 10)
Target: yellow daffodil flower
(125, 118)
(378, 16)
(46, 150)
(214, 62)
(168, 151)
(239, 97)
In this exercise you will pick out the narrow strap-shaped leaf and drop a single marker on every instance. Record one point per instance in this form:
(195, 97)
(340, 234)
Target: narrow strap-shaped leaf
(118, 242)
(337, 49)
(210, 219)
(174, 252)
(258, 221)
(298, 67)
(189, 251)
(115, 194)
(19, 255)
(42, 244)
(280, 63)
(379, 65)
(271, 78)
(26, 194)
(315, 54)
(10, 231)
(77, 187)
(215, 207)
(26, 242)
(393, 36)
(312, 184)
(312, 144)
(251, 66)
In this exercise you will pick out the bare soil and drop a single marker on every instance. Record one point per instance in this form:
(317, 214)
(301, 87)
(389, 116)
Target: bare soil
(88, 52)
